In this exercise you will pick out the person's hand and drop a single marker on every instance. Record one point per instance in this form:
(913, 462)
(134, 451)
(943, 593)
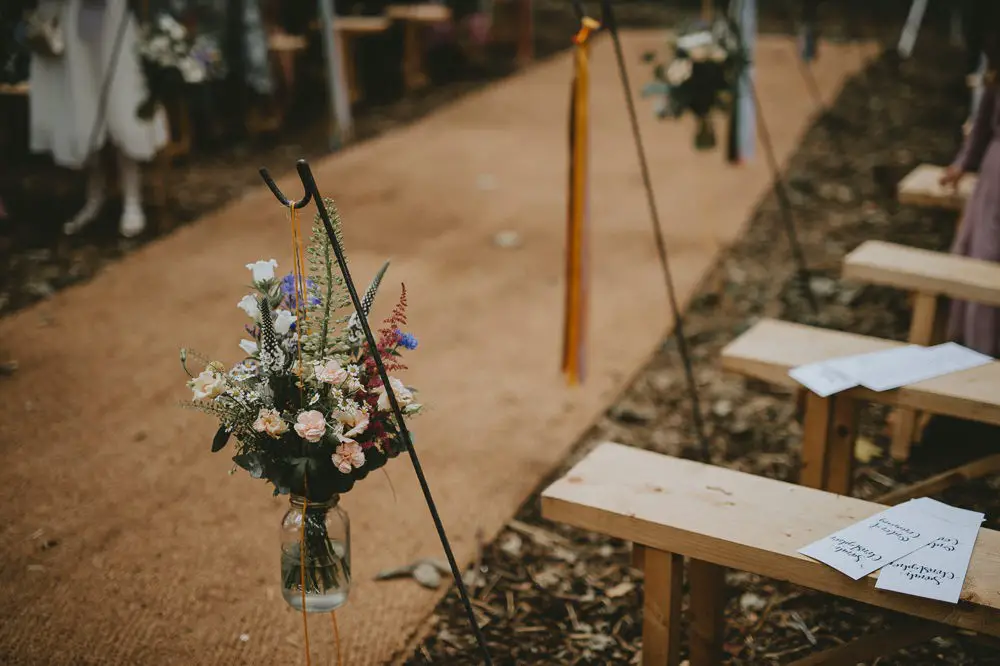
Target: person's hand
(951, 176)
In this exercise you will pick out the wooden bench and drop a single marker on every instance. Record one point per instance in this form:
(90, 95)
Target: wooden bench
(928, 275)
(719, 518)
(769, 349)
(922, 187)
(415, 19)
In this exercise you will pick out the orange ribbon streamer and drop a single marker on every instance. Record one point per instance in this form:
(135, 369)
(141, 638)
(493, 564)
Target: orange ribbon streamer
(577, 246)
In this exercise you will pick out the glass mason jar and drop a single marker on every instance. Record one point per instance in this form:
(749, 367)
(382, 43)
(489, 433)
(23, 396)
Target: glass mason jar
(326, 532)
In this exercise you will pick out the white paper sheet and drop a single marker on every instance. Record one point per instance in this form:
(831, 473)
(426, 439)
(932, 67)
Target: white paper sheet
(821, 379)
(824, 378)
(875, 542)
(916, 364)
(952, 514)
(887, 369)
(936, 571)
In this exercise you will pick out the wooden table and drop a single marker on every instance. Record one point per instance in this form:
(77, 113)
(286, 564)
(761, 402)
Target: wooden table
(415, 19)
(19, 89)
(350, 28)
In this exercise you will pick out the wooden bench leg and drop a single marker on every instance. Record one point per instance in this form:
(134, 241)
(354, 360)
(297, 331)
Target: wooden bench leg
(414, 75)
(707, 585)
(922, 328)
(841, 438)
(815, 433)
(661, 608)
(828, 436)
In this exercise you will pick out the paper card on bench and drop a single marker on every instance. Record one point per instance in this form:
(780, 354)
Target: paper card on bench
(863, 366)
(821, 379)
(824, 378)
(936, 571)
(916, 364)
(952, 514)
(878, 541)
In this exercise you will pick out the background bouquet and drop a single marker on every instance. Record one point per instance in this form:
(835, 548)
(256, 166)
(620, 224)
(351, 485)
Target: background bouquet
(171, 58)
(702, 67)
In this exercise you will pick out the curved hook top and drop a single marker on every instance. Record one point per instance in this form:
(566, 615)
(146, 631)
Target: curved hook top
(279, 195)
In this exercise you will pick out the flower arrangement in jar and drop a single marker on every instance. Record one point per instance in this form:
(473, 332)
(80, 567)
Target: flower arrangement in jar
(307, 408)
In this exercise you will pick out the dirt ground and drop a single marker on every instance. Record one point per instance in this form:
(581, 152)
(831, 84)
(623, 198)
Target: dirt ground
(549, 594)
(127, 539)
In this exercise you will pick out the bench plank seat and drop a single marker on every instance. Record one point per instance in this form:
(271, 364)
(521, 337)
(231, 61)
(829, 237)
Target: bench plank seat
(749, 523)
(922, 187)
(928, 276)
(770, 348)
(925, 271)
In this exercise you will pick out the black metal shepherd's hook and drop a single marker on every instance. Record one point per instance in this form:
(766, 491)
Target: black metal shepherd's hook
(610, 24)
(312, 192)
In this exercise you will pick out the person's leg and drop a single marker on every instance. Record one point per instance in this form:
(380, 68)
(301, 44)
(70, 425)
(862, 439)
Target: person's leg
(96, 195)
(133, 220)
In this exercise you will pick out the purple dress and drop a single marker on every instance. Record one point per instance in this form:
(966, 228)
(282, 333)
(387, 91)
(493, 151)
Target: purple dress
(972, 324)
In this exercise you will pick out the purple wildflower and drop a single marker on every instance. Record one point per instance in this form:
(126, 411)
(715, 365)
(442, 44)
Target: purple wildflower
(406, 340)
(287, 286)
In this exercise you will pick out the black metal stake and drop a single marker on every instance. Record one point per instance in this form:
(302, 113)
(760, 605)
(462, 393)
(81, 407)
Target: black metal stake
(661, 246)
(312, 192)
(784, 203)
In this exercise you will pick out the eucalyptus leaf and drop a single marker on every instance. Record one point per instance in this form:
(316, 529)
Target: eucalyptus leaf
(251, 463)
(398, 572)
(220, 440)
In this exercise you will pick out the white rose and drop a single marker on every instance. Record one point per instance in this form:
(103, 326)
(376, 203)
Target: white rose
(207, 385)
(249, 346)
(249, 305)
(191, 70)
(284, 322)
(403, 395)
(263, 270)
(679, 71)
(699, 53)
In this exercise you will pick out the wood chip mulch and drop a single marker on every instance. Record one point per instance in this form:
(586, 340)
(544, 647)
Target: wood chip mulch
(549, 594)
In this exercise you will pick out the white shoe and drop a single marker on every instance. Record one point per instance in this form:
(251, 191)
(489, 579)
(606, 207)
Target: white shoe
(85, 216)
(133, 221)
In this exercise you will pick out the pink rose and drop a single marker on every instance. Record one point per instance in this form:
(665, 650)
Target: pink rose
(330, 372)
(311, 426)
(348, 455)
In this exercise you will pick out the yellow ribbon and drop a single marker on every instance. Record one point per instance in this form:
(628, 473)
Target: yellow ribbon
(574, 325)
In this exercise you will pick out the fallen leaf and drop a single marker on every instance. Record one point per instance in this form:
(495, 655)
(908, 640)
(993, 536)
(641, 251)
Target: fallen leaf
(865, 450)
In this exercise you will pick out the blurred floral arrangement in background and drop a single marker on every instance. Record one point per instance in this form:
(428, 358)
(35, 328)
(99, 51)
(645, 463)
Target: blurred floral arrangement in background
(698, 73)
(172, 58)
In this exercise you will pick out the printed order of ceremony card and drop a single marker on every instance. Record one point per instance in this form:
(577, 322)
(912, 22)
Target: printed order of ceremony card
(886, 370)
(875, 542)
(936, 571)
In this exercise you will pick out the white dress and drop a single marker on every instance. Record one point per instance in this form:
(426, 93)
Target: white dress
(66, 91)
